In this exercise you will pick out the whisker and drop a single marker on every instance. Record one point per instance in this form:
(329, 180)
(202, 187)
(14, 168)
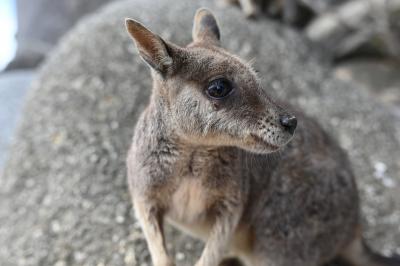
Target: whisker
(251, 61)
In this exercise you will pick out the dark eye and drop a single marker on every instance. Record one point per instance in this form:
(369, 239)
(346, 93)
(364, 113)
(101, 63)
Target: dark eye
(219, 88)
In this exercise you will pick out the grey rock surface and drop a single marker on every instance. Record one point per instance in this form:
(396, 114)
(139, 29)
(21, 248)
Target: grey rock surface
(359, 27)
(380, 77)
(63, 193)
(41, 23)
(319, 6)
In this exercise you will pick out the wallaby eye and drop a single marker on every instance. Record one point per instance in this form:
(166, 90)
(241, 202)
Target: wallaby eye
(219, 88)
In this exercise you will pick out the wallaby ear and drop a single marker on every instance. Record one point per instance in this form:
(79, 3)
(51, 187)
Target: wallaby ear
(205, 27)
(151, 47)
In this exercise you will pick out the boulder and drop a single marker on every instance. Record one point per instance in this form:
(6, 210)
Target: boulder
(63, 193)
(343, 28)
(369, 27)
(380, 77)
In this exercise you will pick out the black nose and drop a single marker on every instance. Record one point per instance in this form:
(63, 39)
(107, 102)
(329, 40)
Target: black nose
(289, 122)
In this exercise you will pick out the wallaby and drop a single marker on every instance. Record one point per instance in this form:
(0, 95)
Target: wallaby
(218, 158)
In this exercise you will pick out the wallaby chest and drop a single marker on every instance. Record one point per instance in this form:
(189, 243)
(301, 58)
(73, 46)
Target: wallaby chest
(188, 207)
(191, 194)
(197, 190)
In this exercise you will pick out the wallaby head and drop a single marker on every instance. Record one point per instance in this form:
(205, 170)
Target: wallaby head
(209, 96)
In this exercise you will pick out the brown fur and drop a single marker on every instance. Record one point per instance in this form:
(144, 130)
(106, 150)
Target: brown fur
(208, 166)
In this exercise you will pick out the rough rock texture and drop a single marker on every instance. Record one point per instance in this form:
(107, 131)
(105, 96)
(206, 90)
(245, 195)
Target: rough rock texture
(380, 77)
(359, 26)
(342, 27)
(63, 195)
(42, 22)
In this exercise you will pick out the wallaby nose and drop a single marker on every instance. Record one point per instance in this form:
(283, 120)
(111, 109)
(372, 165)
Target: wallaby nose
(289, 122)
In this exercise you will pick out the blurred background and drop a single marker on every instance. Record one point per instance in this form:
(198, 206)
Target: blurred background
(8, 28)
(40, 25)
(70, 82)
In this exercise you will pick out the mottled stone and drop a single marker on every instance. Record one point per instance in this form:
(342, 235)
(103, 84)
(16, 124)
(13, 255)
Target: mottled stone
(63, 195)
(380, 77)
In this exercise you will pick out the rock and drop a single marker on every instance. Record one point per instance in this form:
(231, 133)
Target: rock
(41, 23)
(63, 194)
(359, 26)
(297, 13)
(342, 28)
(379, 77)
(322, 6)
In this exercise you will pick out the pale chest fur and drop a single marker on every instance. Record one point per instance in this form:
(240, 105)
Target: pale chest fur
(193, 195)
(191, 211)
(188, 208)
(188, 203)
